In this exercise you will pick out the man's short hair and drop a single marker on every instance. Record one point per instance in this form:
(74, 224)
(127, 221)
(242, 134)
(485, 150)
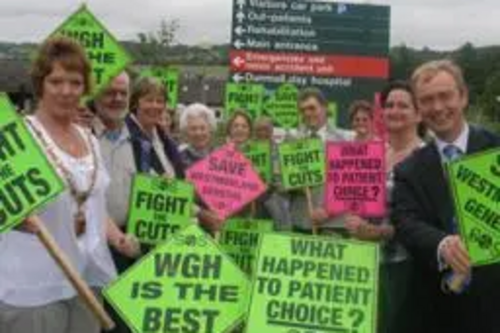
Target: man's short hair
(312, 93)
(429, 70)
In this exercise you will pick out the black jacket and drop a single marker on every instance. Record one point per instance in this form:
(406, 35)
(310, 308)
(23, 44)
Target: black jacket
(141, 142)
(422, 210)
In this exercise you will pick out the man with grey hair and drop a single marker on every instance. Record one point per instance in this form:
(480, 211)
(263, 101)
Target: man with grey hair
(111, 107)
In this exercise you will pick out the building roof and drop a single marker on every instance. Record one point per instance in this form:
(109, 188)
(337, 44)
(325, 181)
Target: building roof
(194, 86)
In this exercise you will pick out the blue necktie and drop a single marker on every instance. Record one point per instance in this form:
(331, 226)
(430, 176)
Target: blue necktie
(452, 153)
(113, 136)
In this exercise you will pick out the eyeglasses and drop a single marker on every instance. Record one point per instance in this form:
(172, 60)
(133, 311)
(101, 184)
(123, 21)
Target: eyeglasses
(115, 94)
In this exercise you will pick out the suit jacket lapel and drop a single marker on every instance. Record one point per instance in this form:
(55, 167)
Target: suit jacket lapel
(436, 186)
(476, 142)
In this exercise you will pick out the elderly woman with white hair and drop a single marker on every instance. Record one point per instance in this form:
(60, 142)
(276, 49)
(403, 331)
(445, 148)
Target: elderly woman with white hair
(197, 125)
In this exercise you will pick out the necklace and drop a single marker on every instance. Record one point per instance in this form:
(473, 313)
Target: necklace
(396, 156)
(80, 197)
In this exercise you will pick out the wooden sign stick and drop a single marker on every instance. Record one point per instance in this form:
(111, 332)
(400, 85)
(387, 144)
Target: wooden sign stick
(310, 208)
(72, 275)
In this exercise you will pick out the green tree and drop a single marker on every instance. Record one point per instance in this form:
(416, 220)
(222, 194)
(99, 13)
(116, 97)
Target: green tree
(154, 46)
(490, 98)
(402, 62)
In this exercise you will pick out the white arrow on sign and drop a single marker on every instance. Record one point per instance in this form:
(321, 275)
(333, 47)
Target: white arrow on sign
(237, 78)
(238, 61)
(239, 30)
(238, 44)
(240, 3)
(342, 8)
(240, 17)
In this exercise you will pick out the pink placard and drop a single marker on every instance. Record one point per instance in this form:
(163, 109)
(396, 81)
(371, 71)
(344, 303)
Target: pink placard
(356, 179)
(226, 181)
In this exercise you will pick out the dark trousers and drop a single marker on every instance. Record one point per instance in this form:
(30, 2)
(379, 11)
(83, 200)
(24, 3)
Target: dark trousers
(122, 263)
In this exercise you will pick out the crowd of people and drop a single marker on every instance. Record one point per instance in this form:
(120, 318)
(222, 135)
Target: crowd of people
(127, 129)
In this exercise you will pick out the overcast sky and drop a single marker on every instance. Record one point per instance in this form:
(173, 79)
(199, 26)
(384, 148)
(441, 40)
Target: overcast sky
(442, 24)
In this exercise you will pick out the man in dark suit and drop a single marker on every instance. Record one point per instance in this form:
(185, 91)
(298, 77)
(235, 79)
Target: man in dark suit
(424, 215)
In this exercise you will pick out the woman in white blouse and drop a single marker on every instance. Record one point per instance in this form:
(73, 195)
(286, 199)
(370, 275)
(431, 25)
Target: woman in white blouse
(35, 296)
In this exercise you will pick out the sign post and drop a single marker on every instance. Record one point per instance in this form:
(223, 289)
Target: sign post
(340, 48)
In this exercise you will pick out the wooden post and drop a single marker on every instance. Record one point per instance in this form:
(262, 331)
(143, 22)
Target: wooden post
(72, 274)
(310, 208)
(253, 209)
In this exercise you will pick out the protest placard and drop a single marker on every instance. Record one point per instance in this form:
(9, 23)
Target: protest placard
(282, 106)
(244, 96)
(159, 207)
(186, 285)
(27, 179)
(226, 181)
(107, 56)
(239, 238)
(313, 284)
(333, 114)
(302, 163)
(259, 153)
(475, 182)
(356, 181)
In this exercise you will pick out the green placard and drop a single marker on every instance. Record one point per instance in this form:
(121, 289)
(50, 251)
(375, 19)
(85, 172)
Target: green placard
(107, 56)
(332, 114)
(27, 179)
(186, 285)
(259, 153)
(314, 284)
(248, 97)
(475, 181)
(240, 237)
(282, 106)
(169, 76)
(159, 207)
(302, 163)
